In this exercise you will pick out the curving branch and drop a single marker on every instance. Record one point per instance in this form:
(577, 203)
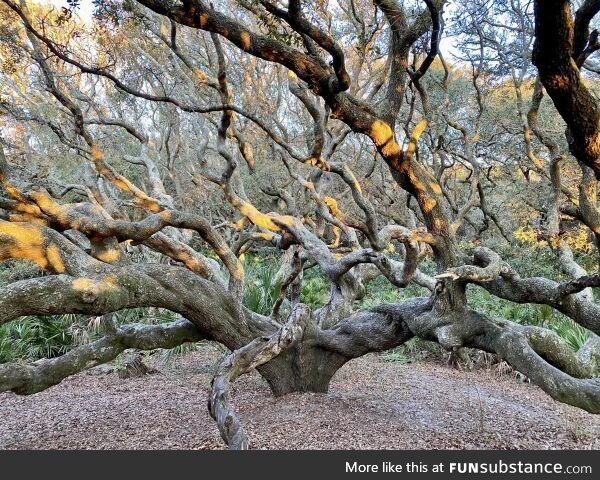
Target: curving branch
(197, 14)
(436, 35)
(554, 54)
(293, 17)
(24, 379)
(501, 280)
(556, 351)
(577, 285)
(522, 355)
(583, 16)
(243, 360)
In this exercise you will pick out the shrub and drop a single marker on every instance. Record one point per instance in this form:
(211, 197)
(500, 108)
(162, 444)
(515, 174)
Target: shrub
(262, 287)
(315, 291)
(32, 338)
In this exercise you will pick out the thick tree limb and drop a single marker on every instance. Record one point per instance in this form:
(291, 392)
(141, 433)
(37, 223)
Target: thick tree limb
(197, 14)
(496, 276)
(25, 379)
(515, 349)
(46, 248)
(295, 19)
(555, 350)
(553, 54)
(215, 311)
(576, 285)
(584, 15)
(436, 34)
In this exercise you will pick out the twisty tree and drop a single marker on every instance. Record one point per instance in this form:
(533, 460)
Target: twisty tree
(182, 100)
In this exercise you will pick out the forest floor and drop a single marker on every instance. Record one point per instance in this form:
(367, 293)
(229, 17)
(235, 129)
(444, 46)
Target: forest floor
(372, 404)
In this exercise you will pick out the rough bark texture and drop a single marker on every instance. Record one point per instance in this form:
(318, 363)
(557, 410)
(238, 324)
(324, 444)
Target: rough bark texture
(29, 379)
(256, 353)
(93, 276)
(554, 54)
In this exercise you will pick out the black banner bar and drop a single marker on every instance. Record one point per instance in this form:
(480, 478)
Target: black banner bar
(311, 465)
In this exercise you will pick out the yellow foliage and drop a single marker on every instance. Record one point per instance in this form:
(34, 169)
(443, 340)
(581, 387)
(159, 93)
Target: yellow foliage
(528, 236)
(579, 240)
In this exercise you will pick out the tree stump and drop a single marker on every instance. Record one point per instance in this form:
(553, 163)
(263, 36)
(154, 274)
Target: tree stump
(132, 366)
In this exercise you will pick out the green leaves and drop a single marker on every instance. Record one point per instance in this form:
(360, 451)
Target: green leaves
(262, 286)
(33, 338)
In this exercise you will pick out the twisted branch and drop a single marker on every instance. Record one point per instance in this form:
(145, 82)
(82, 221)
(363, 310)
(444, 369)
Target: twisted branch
(256, 353)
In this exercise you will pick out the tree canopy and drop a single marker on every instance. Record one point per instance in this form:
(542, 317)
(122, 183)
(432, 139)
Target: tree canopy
(147, 148)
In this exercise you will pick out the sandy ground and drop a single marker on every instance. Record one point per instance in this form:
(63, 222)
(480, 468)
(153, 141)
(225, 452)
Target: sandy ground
(372, 404)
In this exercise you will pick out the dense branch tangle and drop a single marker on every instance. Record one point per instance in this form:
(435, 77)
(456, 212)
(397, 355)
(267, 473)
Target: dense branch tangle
(179, 159)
